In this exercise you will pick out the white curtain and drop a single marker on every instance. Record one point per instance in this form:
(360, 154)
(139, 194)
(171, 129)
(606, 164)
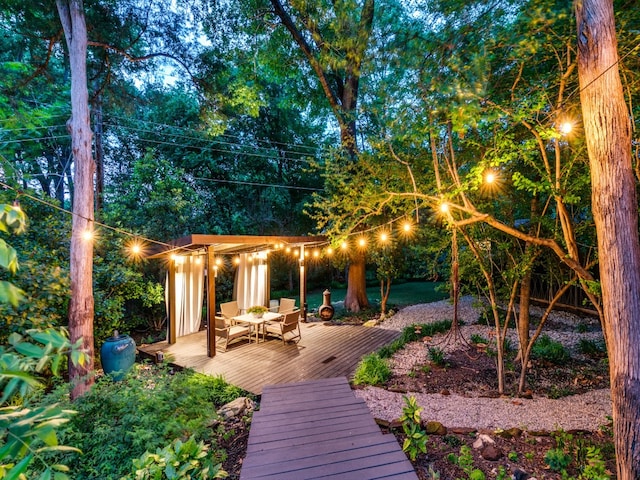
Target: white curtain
(250, 287)
(189, 294)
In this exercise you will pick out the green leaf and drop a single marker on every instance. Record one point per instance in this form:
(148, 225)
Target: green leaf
(19, 469)
(29, 350)
(9, 293)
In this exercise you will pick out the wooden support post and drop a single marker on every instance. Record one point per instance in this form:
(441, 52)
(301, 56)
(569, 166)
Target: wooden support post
(211, 303)
(171, 321)
(303, 286)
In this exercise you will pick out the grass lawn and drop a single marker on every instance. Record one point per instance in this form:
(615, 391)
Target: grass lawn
(401, 295)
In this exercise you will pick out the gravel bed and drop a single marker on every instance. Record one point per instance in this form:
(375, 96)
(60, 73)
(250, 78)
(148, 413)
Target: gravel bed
(587, 411)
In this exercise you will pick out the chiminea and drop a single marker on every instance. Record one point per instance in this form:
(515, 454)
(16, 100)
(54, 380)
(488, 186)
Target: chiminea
(326, 309)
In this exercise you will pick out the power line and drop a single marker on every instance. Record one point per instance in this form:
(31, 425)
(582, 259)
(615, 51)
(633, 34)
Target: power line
(257, 184)
(290, 145)
(210, 148)
(121, 231)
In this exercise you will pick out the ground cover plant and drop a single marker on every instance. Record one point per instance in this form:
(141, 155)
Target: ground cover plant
(153, 414)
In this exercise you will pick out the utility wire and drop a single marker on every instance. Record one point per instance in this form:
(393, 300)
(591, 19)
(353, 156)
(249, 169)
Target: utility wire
(257, 184)
(289, 145)
(209, 147)
(20, 193)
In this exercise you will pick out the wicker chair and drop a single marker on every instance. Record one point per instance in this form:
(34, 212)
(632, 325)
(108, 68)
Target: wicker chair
(227, 332)
(229, 310)
(290, 323)
(287, 305)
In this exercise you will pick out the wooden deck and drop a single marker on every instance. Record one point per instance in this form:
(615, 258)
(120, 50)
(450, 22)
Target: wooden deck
(324, 351)
(319, 429)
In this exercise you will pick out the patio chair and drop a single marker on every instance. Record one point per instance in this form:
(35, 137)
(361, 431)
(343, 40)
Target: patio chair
(229, 310)
(290, 323)
(227, 332)
(287, 305)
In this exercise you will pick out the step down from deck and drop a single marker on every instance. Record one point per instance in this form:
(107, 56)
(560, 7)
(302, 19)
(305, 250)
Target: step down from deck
(320, 429)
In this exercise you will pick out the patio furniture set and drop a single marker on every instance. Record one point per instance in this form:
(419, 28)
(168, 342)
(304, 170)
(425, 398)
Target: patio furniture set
(232, 324)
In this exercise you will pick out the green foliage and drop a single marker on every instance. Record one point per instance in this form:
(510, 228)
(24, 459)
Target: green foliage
(145, 411)
(177, 461)
(592, 348)
(414, 333)
(416, 437)
(29, 434)
(595, 468)
(437, 356)
(476, 339)
(557, 459)
(372, 370)
(549, 350)
(574, 450)
(465, 462)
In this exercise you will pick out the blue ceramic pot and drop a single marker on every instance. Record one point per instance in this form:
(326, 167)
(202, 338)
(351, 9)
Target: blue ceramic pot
(117, 355)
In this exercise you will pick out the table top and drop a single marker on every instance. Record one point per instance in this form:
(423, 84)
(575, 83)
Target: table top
(249, 318)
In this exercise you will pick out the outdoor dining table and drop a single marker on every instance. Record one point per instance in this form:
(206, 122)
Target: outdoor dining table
(256, 322)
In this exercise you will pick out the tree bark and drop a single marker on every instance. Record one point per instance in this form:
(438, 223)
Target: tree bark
(81, 307)
(608, 134)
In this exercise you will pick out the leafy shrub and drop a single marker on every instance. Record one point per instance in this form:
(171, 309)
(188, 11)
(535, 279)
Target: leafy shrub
(372, 370)
(557, 459)
(465, 462)
(145, 411)
(416, 438)
(413, 333)
(592, 348)
(476, 339)
(437, 356)
(595, 468)
(549, 350)
(177, 461)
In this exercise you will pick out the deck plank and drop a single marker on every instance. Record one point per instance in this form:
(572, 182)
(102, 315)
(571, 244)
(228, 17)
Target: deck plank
(319, 429)
(325, 351)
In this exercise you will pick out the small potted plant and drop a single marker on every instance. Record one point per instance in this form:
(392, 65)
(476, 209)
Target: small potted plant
(258, 311)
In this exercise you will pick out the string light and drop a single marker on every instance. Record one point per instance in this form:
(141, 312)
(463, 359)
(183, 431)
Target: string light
(87, 235)
(344, 245)
(407, 227)
(362, 242)
(329, 251)
(384, 237)
(316, 253)
(444, 207)
(490, 177)
(566, 127)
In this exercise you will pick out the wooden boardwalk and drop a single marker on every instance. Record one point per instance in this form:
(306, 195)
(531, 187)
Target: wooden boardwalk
(319, 429)
(324, 351)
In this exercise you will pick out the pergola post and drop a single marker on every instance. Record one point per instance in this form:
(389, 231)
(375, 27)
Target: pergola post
(211, 303)
(171, 323)
(303, 286)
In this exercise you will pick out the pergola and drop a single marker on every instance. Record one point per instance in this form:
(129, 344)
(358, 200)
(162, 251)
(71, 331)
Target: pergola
(206, 248)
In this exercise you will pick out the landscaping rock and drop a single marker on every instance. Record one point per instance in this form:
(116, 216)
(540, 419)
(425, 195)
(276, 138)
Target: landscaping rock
(514, 432)
(482, 441)
(462, 430)
(236, 408)
(491, 453)
(435, 428)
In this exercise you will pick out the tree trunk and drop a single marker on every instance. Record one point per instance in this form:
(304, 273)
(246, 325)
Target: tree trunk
(608, 134)
(385, 289)
(356, 298)
(81, 305)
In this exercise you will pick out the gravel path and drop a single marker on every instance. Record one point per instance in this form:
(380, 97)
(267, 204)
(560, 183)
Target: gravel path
(587, 411)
